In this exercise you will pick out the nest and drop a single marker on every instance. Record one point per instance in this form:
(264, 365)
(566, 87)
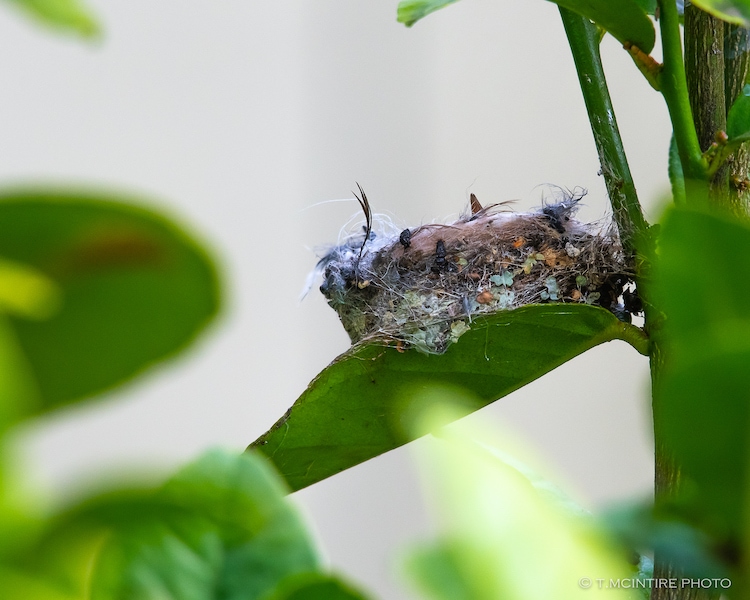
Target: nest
(422, 287)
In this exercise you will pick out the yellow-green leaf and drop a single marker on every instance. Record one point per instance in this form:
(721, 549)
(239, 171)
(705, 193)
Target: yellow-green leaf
(27, 292)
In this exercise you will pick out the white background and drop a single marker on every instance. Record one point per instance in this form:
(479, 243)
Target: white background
(236, 116)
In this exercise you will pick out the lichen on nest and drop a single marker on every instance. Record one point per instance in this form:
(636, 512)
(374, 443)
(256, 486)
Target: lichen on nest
(423, 286)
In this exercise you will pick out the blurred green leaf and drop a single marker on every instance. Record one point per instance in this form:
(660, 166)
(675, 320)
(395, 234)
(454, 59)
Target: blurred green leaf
(411, 11)
(238, 537)
(15, 584)
(120, 288)
(314, 586)
(26, 292)
(626, 20)
(19, 395)
(659, 532)
(352, 410)
(501, 538)
(437, 571)
(547, 490)
(738, 119)
(731, 11)
(69, 15)
(703, 285)
(221, 528)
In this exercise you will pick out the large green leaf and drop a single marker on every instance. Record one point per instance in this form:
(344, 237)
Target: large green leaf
(703, 285)
(222, 528)
(351, 411)
(69, 15)
(624, 19)
(96, 291)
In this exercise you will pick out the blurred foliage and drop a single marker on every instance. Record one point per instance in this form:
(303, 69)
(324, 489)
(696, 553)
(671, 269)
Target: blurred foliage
(738, 118)
(66, 15)
(94, 291)
(314, 586)
(502, 538)
(221, 528)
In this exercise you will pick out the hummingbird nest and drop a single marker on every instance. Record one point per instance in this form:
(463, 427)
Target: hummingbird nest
(422, 287)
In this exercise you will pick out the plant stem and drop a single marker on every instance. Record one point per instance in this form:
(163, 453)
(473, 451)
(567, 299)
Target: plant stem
(736, 63)
(704, 73)
(674, 88)
(704, 66)
(583, 38)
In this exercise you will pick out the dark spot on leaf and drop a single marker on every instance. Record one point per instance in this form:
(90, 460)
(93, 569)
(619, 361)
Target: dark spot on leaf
(105, 249)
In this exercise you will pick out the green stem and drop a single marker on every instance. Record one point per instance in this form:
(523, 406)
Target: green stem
(583, 38)
(673, 85)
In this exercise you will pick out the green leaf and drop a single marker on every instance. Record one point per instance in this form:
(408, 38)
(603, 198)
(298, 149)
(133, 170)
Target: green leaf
(69, 15)
(626, 20)
(437, 571)
(16, 584)
(351, 411)
(26, 292)
(731, 11)
(238, 535)
(18, 393)
(647, 6)
(738, 119)
(703, 285)
(314, 586)
(108, 290)
(499, 533)
(223, 527)
(411, 11)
